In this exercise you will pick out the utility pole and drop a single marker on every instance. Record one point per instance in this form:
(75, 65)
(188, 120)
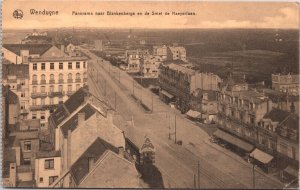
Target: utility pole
(97, 76)
(253, 173)
(169, 128)
(133, 87)
(152, 102)
(198, 174)
(115, 101)
(175, 130)
(195, 181)
(104, 87)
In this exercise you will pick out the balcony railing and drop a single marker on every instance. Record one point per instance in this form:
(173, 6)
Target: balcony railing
(43, 81)
(61, 81)
(69, 93)
(51, 81)
(24, 111)
(38, 94)
(54, 94)
(34, 82)
(77, 80)
(70, 80)
(43, 107)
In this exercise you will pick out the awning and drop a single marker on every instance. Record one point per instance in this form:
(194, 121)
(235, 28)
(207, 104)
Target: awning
(167, 94)
(261, 156)
(234, 140)
(193, 114)
(292, 171)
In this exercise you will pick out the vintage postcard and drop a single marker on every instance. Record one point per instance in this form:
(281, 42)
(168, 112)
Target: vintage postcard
(150, 94)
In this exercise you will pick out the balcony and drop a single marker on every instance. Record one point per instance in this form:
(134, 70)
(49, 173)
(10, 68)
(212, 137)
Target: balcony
(69, 93)
(56, 94)
(70, 80)
(43, 107)
(61, 81)
(38, 94)
(51, 81)
(34, 82)
(77, 80)
(43, 81)
(24, 111)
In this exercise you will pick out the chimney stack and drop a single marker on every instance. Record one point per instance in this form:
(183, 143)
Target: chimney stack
(81, 118)
(13, 174)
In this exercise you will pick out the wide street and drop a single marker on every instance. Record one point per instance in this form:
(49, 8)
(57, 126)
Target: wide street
(219, 168)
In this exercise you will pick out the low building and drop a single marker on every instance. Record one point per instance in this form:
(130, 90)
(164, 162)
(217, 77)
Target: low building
(176, 53)
(286, 83)
(150, 66)
(161, 51)
(47, 168)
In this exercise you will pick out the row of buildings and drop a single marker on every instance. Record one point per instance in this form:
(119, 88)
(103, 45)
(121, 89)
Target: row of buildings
(83, 147)
(148, 63)
(254, 121)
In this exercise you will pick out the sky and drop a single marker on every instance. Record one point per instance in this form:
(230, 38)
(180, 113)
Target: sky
(281, 15)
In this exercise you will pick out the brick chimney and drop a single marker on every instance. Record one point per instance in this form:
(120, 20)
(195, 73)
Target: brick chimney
(81, 118)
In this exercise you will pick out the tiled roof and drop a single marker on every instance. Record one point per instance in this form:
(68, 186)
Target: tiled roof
(63, 111)
(112, 171)
(81, 167)
(249, 95)
(72, 123)
(292, 122)
(48, 154)
(19, 70)
(33, 48)
(276, 115)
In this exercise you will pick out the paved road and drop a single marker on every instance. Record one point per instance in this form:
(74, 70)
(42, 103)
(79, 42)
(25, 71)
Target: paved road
(178, 164)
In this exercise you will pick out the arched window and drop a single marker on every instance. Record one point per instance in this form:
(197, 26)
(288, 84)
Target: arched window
(70, 76)
(52, 77)
(43, 77)
(34, 77)
(77, 75)
(61, 76)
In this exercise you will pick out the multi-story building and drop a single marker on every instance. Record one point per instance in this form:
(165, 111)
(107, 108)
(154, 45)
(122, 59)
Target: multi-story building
(133, 59)
(286, 83)
(150, 66)
(180, 82)
(288, 140)
(54, 76)
(176, 53)
(239, 114)
(161, 51)
(17, 77)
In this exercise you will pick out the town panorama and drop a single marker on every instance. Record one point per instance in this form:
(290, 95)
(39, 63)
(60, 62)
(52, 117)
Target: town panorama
(128, 107)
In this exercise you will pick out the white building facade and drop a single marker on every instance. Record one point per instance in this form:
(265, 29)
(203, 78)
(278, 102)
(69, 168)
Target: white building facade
(52, 81)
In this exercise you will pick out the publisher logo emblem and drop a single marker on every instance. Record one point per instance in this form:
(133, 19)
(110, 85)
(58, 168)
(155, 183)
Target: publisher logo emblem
(18, 14)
